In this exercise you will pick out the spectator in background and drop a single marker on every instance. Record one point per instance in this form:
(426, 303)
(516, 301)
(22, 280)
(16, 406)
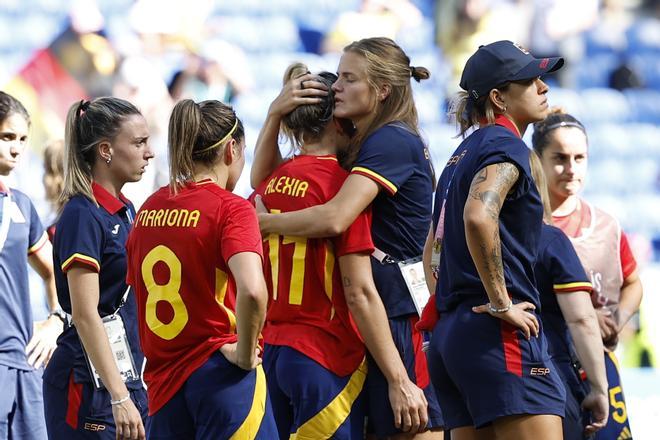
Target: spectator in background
(376, 18)
(54, 181)
(24, 348)
(561, 142)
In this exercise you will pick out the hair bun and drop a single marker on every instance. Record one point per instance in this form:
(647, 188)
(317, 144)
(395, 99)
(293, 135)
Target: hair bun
(419, 73)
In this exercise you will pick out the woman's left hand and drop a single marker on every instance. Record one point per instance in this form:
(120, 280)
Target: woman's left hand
(44, 341)
(305, 89)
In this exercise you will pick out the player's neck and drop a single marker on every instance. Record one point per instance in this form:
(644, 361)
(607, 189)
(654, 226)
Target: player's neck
(317, 149)
(108, 183)
(218, 174)
(563, 207)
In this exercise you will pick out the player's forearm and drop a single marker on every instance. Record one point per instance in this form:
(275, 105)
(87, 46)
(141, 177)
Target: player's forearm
(267, 154)
(583, 326)
(314, 222)
(95, 340)
(250, 316)
(631, 298)
(370, 317)
(483, 240)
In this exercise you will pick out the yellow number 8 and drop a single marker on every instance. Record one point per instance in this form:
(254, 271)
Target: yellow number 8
(168, 292)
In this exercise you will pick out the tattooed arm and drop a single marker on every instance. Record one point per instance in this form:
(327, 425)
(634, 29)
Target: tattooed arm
(481, 216)
(407, 400)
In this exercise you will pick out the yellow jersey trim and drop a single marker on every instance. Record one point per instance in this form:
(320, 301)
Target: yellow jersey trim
(571, 287)
(377, 177)
(39, 244)
(81, 258)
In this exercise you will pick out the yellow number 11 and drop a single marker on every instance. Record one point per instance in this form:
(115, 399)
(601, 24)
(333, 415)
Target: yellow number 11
(298, 264)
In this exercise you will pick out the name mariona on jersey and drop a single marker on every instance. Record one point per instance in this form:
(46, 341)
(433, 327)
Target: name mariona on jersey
(174, 218)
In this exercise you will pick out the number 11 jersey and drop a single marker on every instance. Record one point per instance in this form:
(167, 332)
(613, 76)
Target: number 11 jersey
(307, 308)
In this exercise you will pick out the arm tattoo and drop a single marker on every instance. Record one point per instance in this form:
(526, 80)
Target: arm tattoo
(492, 196)
(347, 282)
(492, 255)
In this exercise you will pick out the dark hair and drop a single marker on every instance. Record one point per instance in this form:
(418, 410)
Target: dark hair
(307, 122)
(54, 173)
(198, 132)
(556, 119)
(10, 106)
(88, 123)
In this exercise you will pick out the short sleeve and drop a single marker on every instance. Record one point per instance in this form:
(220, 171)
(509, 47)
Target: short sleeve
(514, 151)
(38, 236)
(357, 238)
(566, 270)
(385, 157)
(239, 230)
(628, 262)
(79, 239)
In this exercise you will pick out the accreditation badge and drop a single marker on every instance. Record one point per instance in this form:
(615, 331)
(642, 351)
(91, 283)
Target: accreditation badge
(412, 271)
(121, 351)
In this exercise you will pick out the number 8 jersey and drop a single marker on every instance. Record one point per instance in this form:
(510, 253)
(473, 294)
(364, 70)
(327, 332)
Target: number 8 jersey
(177, 263)
(307, 308)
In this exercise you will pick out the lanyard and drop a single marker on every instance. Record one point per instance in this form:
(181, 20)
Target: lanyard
(6, 220)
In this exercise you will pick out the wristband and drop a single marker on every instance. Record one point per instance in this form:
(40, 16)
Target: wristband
(120, 401)
(492, 309)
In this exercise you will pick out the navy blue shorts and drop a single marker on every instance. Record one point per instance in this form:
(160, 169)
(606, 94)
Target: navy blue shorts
(409, 343)
(311, 402)
(218, 401)
(79, 411)
(483, 369)
(21, 404)
(617, 426)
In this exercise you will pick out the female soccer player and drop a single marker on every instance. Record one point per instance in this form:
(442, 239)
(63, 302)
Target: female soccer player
(195, 265)
(23, 241)
(569, 323)
(561, 142)
(393, 174)
(489, 362)
(92, 385)
(314, 356)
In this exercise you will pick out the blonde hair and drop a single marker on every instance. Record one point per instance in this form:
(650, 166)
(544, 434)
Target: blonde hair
(88, 123)
(541, 184)
(307, 122)
(54, 173)
(199, 132)
(387, 64)
(468, 113)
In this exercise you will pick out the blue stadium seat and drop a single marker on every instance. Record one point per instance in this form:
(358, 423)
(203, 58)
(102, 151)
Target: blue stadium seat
(595, 71)
(644, 105)
(568, 99)
(261, 34)
(604, 105)
(648, 67)
(644, 36)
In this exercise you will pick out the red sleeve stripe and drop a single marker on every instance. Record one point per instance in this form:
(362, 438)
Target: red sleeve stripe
(572, 287)
(389, 186)
(38, 245)
(80, 258)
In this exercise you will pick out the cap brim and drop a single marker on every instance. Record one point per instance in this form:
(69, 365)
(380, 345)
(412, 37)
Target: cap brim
(539, 67)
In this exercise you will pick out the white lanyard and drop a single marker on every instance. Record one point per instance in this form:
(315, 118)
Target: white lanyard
(6, 220)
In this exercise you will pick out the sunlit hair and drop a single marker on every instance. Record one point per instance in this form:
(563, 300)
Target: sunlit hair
(88, 123)
(388, 64)
(54, 173)
(198, 133)
(556, 119)
(307, 122)
(541, 184)
(11, 106)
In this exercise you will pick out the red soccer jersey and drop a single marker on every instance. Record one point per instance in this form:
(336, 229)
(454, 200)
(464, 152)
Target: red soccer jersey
(307, 309)
(177, 264)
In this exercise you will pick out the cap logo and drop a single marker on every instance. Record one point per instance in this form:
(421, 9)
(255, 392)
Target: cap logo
(522, 49)
(475, 95)
(544, 63)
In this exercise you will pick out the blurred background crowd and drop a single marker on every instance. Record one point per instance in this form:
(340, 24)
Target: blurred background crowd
(155, 52)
